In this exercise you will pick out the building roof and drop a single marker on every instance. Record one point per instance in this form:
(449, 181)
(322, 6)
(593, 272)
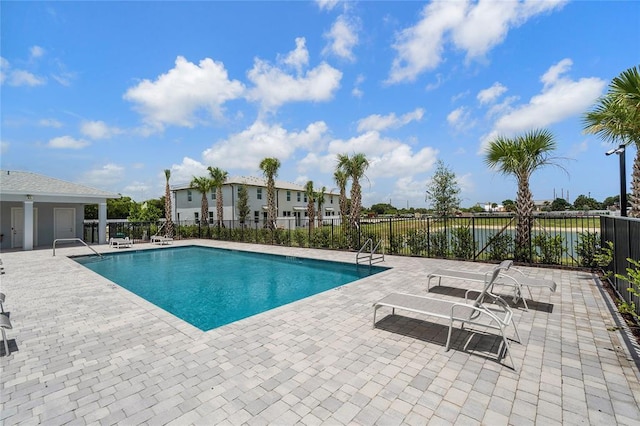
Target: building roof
(251, 181)
(27, 183)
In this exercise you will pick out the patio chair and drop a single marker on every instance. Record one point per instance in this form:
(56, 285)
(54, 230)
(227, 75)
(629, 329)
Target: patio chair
(517, 280)
(497, 316)
(161, 240)
(120, 242)
(5, 324)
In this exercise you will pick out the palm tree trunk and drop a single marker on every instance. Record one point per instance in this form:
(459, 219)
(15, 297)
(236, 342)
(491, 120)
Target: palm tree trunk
(167, 212)
(635, 185)
(219, 204)
(524, 209)
(204, 210)
(356, 194)
(311, 213)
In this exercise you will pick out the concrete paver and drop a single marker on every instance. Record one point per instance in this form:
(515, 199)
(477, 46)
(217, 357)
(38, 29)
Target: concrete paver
(85, 350)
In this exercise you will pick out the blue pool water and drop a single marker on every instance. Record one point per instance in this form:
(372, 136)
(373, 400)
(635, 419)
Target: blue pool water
(210, 287)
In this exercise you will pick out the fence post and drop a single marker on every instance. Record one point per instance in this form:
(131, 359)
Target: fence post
(473, 237)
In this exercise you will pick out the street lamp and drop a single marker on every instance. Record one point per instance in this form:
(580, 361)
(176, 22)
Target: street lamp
(620, 150)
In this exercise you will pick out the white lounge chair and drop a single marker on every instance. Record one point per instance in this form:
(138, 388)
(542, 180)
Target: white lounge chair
(2, 297)
(120, 242)
(517, 280)
(161, 240)
(497, 316)
(5, 324)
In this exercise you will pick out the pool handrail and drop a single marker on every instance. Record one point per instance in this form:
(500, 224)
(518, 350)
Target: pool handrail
(73, 239)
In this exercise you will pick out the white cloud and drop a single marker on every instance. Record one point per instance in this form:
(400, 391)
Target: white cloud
(67, 142)
(379, 123)
(4, 147)
(491, 94)
(419, 48)
(327, 4)
(36, 52)
(175, 97)
(183, 173)
(49, 122)
(356, 91)
(474, 27)
(139, 191)
(246, 149)
(275, 87)
(559, 99)
(342, 38)
(298, 58)
(98, 130)
(104, 177)
(387, 157)
(460, 119)
(24, 78)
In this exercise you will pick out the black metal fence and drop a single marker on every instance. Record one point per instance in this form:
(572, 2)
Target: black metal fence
(624, 234)
(555, 240)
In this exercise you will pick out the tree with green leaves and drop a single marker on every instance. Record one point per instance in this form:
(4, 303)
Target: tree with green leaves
(203, 185)
(269, 167)
(311, 212)
(560, 205)
(520, 157)
(168, 221)
(616, 118)
(320, 200)
(243, 203)
(341, 178)
(443, 191)
(583, 202)
(354, 167)
(218, 177)
(144, 212)
(509, 205)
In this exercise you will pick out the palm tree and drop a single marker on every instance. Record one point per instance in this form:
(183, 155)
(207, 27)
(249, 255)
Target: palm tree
(520, 157)
(219, 177)
(354, 167)
(269, 167)
(167, 205)
(311, 213)
(616, 118)
(320, 200)
(203, 185)
(341, 178)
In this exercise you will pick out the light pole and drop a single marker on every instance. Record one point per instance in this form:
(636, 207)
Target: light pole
(620, 150)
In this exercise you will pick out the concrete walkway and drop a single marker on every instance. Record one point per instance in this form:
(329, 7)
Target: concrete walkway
(86, 351)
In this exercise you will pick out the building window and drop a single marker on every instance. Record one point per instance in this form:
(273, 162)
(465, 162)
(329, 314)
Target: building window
(305, 198)
(256, 216)
(288, 195)
(213, 195)
(210, 217)
(196, 215)
(189, 196)
(298, 196)
(331, 199)
(259, 193)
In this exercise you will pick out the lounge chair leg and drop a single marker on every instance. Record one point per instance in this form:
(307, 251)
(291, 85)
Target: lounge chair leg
(6, 343)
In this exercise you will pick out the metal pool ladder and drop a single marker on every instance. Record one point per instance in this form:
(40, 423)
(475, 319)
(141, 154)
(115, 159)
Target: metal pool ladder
(74, 239)
(371, 254)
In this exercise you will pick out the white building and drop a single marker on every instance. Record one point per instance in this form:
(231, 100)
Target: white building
(291, 203)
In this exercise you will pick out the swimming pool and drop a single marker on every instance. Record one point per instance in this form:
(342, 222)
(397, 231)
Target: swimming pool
(210, 287)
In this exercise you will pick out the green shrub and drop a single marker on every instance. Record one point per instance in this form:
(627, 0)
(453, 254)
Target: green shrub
(587, 248)
(417, 241)
(439, 246)
(300, 237)
(396, 243)
(462, 244)
(549, 248)
(500, 247)
(633, 278)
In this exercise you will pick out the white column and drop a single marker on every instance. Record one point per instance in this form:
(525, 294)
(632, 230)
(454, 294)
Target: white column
(102, 223)
(27, 241)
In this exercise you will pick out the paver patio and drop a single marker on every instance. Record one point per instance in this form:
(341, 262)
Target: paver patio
(86, 351)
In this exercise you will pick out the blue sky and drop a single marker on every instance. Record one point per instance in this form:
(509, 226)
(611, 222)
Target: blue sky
(111, 94)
